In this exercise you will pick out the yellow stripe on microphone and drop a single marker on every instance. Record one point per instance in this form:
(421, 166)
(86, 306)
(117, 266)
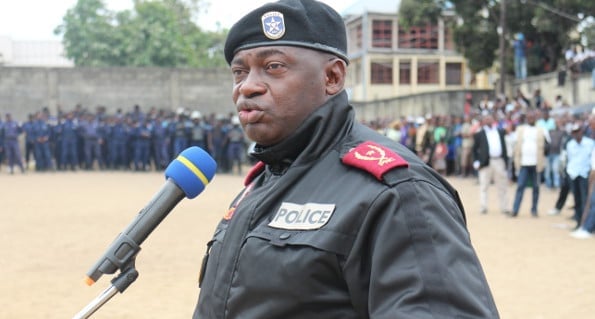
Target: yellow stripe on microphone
(193, 169)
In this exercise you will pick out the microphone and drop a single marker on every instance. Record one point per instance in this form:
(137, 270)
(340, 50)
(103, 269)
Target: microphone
(186, 176)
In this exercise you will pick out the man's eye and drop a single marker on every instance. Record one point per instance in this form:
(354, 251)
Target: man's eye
(236, 72)
(274, 66)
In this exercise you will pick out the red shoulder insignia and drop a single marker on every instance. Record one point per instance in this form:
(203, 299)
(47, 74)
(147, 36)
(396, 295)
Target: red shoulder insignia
(374, 158)
(254, 171)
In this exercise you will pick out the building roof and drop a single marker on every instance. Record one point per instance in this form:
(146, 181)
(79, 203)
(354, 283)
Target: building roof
(359, 7)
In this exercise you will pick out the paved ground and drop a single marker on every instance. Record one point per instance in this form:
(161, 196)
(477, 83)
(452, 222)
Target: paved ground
(54, 226)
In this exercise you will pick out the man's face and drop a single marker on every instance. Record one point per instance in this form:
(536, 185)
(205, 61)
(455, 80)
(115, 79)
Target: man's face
(488, 121)
(276, 88)
(577, 135)
(531, 118)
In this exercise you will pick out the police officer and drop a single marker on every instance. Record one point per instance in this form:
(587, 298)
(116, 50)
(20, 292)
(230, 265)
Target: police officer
(198, 132)
(216, 143)
(336, 220)
(10, 133)
(29, 139)
(91, 140)
(234, 140)
(68, 132)
(160, 141)
(141, 146)
(119, 135)
(1, 142)
(180, 132)
(41, 133)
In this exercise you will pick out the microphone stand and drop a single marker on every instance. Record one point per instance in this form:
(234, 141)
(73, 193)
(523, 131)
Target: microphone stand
(126, 277)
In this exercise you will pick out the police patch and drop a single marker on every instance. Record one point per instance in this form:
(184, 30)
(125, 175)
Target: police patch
(302, 217)
(273, 25)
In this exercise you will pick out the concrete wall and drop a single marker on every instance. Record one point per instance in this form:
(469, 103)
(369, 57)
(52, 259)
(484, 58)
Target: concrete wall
(443, 102)
(576, 89)
(24, 90)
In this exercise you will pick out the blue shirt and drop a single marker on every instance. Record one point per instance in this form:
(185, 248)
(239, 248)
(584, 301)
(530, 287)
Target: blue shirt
(12, 130)
(519, 48)
(579, 157)
(68, 130)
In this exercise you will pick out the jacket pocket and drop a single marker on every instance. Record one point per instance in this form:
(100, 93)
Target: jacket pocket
(320, 239)
(208, 270)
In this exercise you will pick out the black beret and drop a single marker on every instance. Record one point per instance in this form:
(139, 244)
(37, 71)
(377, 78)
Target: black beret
(303, 23)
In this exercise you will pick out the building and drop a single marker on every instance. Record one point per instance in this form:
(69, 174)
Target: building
(388, 61)
(32, 53)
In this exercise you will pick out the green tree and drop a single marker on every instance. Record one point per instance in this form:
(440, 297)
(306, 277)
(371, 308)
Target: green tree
(545, 27)
(589, 34)
(153, 33)
(88, 33)
(418, 12)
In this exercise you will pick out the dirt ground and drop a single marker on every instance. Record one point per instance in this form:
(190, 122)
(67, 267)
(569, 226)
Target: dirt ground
(54, 226)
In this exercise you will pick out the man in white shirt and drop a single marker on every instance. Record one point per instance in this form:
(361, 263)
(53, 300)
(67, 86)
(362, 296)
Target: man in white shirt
(578, 166)
(529, 160)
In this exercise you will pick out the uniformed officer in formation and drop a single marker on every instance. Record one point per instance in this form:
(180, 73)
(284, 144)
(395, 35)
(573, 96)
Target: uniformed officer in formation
(180, 130)
(216, 144)
(11, 130)
(119, 135)
(1, 142)
(236, 145)
(198, 131)
(67, 131)
(29, 139)
(91, 140)
(160, 143)
(41, 136)
(142, 145)
(336, 220)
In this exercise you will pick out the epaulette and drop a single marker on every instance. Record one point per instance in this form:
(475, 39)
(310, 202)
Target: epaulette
(374, 159)
(254, 171)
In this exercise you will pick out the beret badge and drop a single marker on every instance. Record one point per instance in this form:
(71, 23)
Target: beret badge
(273, 25)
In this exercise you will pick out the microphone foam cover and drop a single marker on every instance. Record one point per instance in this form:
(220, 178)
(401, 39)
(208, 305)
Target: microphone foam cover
(192, 170)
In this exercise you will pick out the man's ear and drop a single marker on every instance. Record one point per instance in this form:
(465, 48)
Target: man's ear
(336, 70)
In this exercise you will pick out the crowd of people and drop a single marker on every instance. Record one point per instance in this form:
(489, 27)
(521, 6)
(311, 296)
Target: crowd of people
(530, 142)
(135, 140)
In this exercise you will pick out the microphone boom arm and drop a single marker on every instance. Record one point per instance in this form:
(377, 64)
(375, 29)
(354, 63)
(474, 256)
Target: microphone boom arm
(126, 277)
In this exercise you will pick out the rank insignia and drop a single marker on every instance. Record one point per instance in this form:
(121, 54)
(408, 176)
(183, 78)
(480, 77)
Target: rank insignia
(374, 158)
(273, 25)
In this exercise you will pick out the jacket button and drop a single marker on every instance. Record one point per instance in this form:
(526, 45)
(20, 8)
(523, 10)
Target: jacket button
(284, 236)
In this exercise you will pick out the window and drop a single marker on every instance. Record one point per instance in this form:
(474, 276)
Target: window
(425, 37)
(405, 73)
(453, 74)
(382, 33)
(427, 72)
(382, 73)
(355, 37)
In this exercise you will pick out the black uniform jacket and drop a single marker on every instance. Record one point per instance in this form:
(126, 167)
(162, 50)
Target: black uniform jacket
(481, 148)
(313, 237)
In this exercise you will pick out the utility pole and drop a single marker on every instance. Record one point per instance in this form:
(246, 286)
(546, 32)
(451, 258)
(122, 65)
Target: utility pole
(502, 46)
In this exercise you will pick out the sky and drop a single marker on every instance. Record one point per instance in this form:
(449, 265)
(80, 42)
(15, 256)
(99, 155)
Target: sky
(35, 20)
